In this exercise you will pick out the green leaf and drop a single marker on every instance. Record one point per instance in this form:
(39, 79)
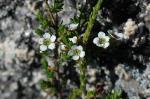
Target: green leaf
(42, 20)
(75, 19)
(115, 94)
(39, 32)
(64, 57)
(64, 34)
(45, 84)
(44, 63)
(58, 6)
(90, 94)
(50, 74)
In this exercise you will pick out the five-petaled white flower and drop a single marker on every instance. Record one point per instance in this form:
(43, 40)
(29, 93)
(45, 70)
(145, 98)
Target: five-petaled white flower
(47, 42)
(102, 40)
(73, 39)
(73, 26)
(76, 52)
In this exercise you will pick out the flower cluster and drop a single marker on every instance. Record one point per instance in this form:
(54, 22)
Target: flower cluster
(48, 42)
(102, 40)
(76, 51)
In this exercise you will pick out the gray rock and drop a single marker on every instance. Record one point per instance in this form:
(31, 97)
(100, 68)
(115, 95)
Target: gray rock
(16, 28)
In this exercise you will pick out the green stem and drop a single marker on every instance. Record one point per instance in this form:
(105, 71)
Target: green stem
(78, 91)
(75, 92)
(50, 13)
(82, 63)
(91, 21)
(82, 75)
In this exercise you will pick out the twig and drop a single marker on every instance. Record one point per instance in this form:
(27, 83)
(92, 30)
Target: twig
(50, 13)
(91, 21)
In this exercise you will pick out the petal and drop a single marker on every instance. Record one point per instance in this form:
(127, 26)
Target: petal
(100, 45)
(70, 39)
(43, 47)
(74, 47)
(70, 52)
(51, 46)
(53, 38)
(73, 40)
(76, 57)
(107, 38)
(62, 47)
(80, 48)
(101, 34)
(96, 40)
(72, 26)
(46, 35)
(106, 45)
(82, 54)
(41, 40)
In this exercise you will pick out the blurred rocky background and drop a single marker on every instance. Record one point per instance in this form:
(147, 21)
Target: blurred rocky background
(20, 71)
(19, 67)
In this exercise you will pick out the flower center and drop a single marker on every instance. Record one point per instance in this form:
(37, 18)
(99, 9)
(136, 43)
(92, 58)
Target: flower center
(77, 52)
(46, 41)
(102, 40)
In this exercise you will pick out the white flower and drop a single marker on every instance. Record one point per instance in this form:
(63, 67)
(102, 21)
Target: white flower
(73, 40)
(63, 47)
(102, 40)
(73, 26)
(47, 42)
(76, 52)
